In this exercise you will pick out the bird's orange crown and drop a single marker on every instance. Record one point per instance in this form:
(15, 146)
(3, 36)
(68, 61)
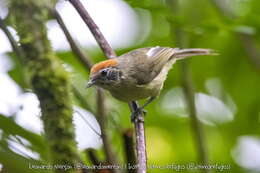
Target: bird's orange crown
(103, 64)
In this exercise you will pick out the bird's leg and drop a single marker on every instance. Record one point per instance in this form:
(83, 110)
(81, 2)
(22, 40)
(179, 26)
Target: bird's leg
(141, 108)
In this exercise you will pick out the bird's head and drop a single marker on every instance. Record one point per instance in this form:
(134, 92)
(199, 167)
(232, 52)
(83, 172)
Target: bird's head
(104, 74)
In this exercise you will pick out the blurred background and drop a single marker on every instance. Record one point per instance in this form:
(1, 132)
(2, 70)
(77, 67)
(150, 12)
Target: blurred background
(227, 86)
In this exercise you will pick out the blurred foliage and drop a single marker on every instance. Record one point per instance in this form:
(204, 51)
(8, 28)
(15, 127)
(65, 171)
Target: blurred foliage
(204, 24)
(9, 158)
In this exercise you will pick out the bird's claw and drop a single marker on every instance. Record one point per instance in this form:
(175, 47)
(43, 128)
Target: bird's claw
(135, 117)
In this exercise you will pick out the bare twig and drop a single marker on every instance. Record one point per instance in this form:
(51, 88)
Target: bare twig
(140, 138)
(108, 51)
(17, 50)
(75, 49)
(189, 93)
(81, 99)
(101, 113)
(195, 124)
(14, 44)
(129, 150)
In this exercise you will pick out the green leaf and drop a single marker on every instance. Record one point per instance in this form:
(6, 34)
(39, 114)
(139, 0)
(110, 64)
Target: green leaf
(17, 73)
(10, 127)
(13, 162)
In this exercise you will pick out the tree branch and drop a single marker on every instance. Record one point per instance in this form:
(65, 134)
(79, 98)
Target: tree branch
(108, 51)
(189, 92)
(48, 79)
(101, 109)
(82, 99)
(140, 137)
(17, 50)
(129, 150)
(195, 124)
(14, 45)
(101, 112)
(75, 49)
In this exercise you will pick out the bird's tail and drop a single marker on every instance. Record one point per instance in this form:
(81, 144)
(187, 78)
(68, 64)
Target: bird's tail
(183, 53)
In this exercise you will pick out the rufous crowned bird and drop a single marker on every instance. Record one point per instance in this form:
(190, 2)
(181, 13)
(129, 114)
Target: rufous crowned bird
(140, 73)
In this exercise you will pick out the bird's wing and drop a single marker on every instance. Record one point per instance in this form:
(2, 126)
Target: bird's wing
(146, 63)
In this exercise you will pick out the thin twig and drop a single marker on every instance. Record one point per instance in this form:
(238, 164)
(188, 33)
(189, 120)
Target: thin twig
(88, 123)
(102, 118)
(129, 150)
(81, 99)
(140, 138)
(189, 93)
(195, 124)
(37, 51)
(17, 50)
(108, 51)
(14, 44)
(75, 49)
(101, 113)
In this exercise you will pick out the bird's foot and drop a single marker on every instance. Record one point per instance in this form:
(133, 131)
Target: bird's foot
(135, 115)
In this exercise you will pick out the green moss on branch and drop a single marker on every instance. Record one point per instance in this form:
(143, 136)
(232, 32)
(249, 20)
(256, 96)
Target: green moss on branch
(47, 77)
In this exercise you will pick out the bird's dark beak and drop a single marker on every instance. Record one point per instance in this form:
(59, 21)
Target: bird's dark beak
(90, 83)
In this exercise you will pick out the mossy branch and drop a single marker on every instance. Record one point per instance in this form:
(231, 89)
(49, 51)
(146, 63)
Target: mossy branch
(48, 79)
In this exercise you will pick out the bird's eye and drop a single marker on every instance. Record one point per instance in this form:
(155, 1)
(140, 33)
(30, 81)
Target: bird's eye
(103, 72)
(109, 74)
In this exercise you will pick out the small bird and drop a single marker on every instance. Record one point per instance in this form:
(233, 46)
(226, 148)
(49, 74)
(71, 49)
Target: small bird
(140, 73)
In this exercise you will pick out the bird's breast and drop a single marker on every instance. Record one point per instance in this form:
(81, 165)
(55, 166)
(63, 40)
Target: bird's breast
(129, 92)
